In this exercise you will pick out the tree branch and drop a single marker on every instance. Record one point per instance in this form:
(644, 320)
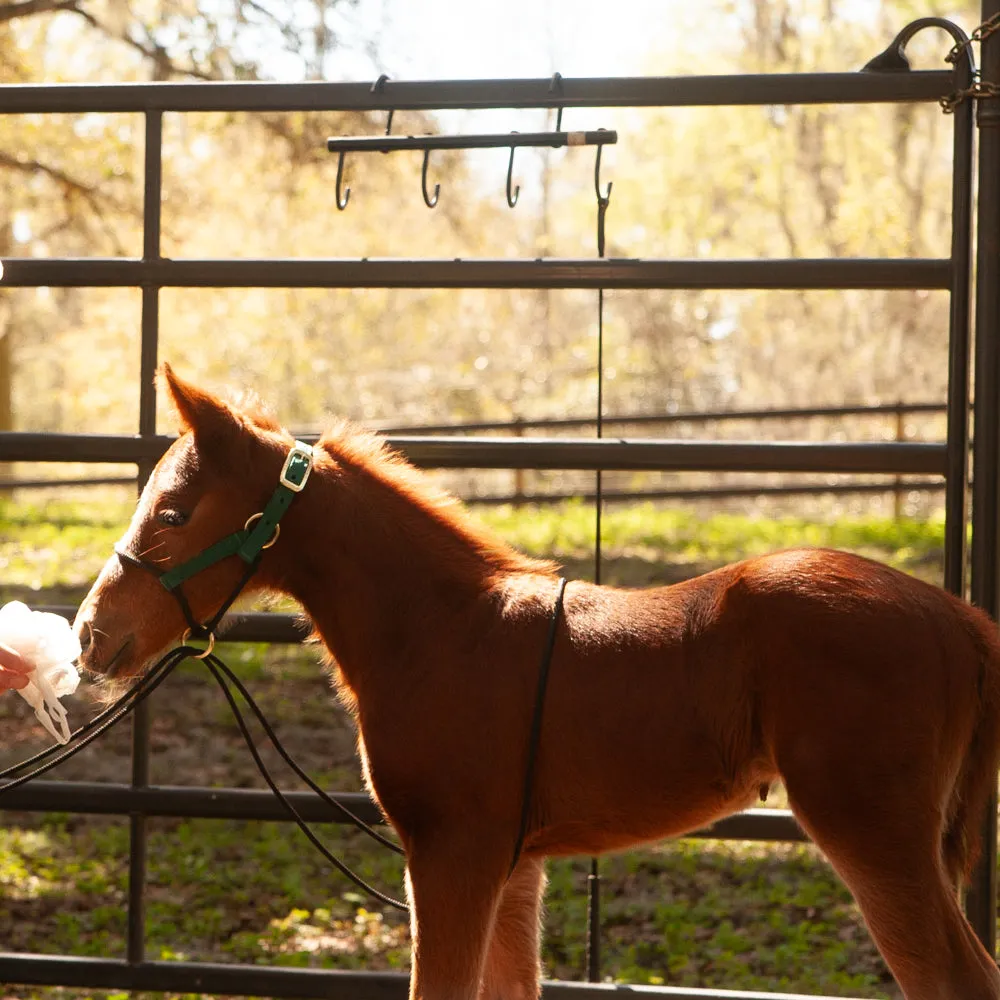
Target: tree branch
(165, 66)
(26, 8)
(91, 195)
(155, 53)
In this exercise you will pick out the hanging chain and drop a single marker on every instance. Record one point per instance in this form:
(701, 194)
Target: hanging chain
(984, 30)
(979, 89)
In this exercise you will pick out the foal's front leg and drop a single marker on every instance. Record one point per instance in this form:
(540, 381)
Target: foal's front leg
(454, 884)
(512, 966)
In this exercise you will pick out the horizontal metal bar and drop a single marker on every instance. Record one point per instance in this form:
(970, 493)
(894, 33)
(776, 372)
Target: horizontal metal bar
(707, 493)
(300, 984)
(244, 626)
(606, 991)
(493, 140)
(592, 273)
(97, 798)
(110, 799)
(888, 457)
(688, 416)
(426, 95)
(677, 456)
(41, 484)
(29, 446)
(200, 977)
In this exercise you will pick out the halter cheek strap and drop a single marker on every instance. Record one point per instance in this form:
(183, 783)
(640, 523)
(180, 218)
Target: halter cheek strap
(259, 533)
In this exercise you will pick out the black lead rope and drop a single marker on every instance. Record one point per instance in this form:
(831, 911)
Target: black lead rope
(536, 726)
(22, 772)
(218, 669)
(86, 734)
(144, 688)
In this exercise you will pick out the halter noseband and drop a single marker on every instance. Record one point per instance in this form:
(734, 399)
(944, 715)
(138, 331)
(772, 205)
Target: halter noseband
(259, 533)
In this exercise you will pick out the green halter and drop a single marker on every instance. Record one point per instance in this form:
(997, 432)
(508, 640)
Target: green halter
(261, 530)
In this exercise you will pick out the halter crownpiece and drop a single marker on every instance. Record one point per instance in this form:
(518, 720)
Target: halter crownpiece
(260, 532)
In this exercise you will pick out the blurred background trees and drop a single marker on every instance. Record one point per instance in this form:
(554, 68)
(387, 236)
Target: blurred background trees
(743, 182)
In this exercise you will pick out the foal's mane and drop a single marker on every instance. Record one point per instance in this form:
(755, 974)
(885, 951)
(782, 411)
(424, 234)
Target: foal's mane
(349, 444)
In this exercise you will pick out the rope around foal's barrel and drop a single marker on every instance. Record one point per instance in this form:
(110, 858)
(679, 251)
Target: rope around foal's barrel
(223, 676)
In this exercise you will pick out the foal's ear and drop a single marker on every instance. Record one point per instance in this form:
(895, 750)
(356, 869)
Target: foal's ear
(209, 418)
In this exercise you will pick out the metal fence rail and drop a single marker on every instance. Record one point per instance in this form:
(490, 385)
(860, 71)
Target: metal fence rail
(947, 460)
(516, 428)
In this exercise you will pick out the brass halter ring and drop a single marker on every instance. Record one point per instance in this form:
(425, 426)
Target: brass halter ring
(277, 529)
(186, 638)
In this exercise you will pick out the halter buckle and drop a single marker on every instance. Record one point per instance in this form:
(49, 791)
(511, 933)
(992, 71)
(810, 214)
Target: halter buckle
(298, 465)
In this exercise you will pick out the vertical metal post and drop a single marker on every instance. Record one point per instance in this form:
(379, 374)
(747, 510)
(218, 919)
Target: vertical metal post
(897, 493)
(959, 337)
(518, 473)
(152, 191)
(981, 898)
(594, 878)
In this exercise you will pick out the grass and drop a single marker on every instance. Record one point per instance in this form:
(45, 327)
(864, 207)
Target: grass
(568, 529)
(61, 546)
(707, 914)
(687, 913)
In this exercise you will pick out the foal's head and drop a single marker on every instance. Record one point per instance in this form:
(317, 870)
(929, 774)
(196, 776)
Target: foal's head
(220, 471)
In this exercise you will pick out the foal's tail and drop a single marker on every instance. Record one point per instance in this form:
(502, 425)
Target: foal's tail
(977, 778)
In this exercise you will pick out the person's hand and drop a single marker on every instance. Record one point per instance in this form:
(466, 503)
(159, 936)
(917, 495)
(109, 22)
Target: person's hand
(14, 669)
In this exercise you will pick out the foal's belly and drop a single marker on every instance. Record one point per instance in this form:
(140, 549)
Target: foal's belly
(642, 803)
(597, 837)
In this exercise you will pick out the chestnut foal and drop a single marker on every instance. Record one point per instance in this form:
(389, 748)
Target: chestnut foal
(873, 696)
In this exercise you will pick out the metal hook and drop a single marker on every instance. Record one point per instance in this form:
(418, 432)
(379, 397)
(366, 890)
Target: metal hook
(894, 60)
(602, 199)
(428, 201)
(377, 88)
(512, 199)
(342, 202)
(555, 86)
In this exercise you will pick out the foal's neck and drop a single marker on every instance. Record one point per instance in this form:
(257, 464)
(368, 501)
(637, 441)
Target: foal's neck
(389, 571)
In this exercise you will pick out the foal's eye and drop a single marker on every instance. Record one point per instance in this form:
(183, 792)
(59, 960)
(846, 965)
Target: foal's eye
(172, 518)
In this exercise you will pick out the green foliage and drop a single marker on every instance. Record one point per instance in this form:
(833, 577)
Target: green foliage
(683, 536)
(63, 545)
(685, 913)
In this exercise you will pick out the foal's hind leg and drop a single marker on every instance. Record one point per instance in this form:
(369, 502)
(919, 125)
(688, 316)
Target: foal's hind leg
(891, 861)
(454, 884)
(512, 967)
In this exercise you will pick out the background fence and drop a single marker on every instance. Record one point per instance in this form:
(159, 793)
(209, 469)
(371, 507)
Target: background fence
(885, 422)
(945, 461)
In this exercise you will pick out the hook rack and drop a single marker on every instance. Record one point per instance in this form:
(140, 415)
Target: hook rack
(495, 140)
